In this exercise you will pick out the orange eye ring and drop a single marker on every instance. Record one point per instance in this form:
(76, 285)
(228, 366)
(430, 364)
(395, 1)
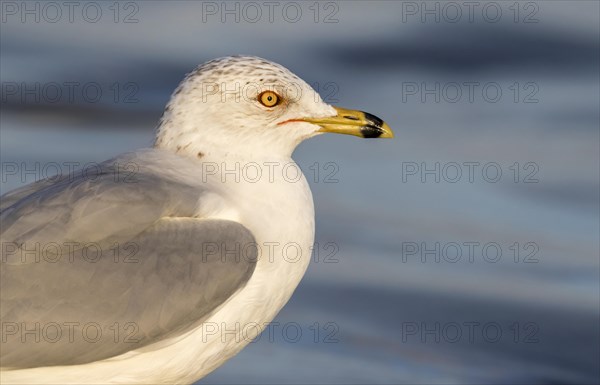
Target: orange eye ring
(269, 99)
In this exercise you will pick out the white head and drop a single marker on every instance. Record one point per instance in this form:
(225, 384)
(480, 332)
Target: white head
(245, 106)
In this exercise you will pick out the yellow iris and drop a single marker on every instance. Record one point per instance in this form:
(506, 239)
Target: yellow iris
(268, 98)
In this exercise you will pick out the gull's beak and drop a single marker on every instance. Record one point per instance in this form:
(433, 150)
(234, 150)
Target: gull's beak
(352, 122)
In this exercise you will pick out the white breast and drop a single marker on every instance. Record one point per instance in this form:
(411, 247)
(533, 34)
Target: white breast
(280, 214)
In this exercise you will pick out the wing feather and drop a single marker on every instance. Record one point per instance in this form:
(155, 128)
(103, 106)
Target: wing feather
(125, 260)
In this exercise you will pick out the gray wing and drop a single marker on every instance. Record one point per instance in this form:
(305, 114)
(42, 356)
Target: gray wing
(16, 195)
(93, 270)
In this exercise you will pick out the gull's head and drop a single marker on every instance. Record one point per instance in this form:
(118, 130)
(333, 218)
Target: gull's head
(245, 105)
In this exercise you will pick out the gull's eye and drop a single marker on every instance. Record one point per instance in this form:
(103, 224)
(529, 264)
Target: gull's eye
(269, 99)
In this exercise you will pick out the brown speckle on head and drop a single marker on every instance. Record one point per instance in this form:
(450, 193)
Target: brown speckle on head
(210, 106)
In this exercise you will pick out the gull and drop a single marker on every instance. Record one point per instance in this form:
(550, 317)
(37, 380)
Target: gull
(159, 265)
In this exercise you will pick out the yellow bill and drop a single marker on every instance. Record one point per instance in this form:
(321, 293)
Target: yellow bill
(353, 122)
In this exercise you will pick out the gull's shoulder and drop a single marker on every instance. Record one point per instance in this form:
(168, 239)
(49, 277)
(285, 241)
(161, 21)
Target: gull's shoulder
(154, 161)
(138, 187)
(135, 169)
